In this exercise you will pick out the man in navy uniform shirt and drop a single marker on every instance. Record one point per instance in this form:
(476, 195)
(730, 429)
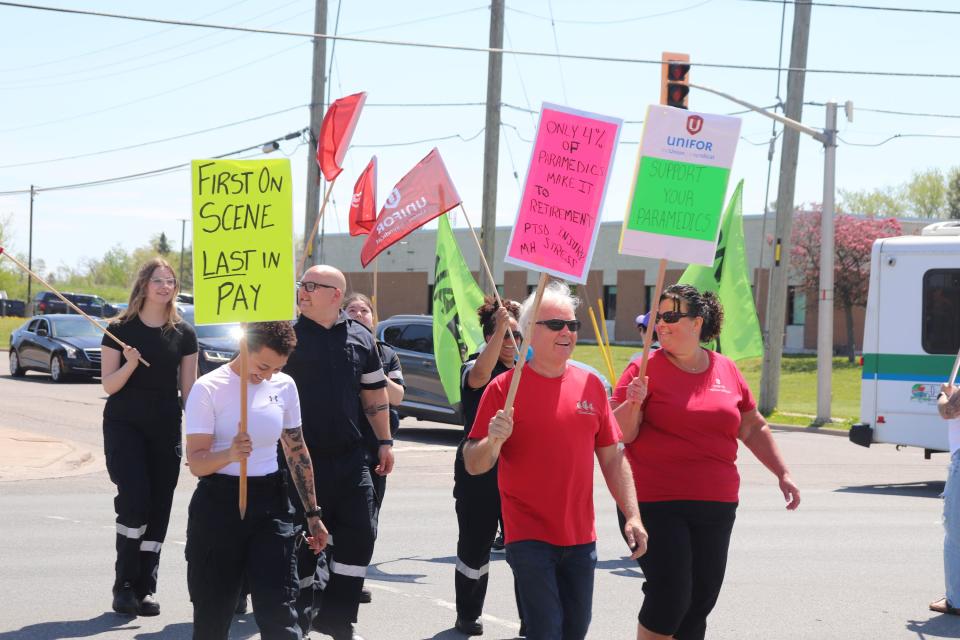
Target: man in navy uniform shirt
(335, 363)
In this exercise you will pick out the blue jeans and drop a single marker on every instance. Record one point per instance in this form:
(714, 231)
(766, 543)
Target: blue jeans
(951, 527)
(556, 587)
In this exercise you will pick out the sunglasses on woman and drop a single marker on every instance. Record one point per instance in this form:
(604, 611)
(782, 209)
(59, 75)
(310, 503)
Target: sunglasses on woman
(673, 317)
(516, 335)
(557, 325)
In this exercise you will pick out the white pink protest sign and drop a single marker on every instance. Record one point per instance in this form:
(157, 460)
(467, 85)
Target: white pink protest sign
(559, 216)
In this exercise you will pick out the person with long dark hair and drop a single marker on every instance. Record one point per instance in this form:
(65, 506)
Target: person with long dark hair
(478, 497)
(223, 546)
(681, 424)
(141, 427)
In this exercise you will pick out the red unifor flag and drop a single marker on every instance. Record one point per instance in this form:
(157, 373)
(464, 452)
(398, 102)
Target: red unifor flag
(336, 131)
(423, 194)
(363, 206)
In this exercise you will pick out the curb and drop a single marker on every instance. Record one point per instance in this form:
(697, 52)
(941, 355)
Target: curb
(816, 430)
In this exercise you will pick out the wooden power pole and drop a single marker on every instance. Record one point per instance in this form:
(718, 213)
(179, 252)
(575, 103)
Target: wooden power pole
(491, 142)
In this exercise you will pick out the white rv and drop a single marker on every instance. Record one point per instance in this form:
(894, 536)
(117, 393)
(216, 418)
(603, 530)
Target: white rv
(911, 338)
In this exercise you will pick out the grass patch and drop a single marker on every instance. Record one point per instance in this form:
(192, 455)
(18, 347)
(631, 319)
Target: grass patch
(7, 325)
(798, 383)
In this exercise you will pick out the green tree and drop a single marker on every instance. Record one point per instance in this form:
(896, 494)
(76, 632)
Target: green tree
(927, 194)
(953, 194)
(162, 245)
(888, 202)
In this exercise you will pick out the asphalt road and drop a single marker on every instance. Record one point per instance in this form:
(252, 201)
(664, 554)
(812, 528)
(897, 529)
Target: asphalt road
(860, 559)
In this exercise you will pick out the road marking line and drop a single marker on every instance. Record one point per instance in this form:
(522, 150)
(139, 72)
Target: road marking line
(444, 604)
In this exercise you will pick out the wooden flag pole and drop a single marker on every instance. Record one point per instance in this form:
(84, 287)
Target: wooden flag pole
(527, 334)
(244, 375)
(496, 294)
(653, 306)
(376, 273)
(308, 246)
(70, 304)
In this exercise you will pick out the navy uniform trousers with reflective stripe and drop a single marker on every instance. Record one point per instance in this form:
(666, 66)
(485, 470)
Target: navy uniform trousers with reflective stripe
(478, 513)
(222, 549)
(330, 586)
(143, 460)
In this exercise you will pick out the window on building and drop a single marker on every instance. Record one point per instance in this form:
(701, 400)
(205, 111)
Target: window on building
(940, 332)
(429, 299)
(610, 301)
(648, 297)
(500, 290)
(531, 288)
(796, 306)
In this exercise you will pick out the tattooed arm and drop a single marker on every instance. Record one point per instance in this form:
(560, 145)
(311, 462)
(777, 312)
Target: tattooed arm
(301, 471)
(948, 404)
(376, 405)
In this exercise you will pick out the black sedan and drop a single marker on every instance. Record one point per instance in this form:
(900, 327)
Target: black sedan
(62, 345)
(217, 343)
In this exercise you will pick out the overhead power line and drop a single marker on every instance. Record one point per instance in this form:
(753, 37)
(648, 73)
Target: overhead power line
(486, 50)
(609, 22)
(916, 114)
(897, 136)
(841, 5)
(154, 172)
(150, 142)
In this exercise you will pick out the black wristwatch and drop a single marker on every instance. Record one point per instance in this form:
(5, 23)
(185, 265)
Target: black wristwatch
(316, 512)
(385, 442)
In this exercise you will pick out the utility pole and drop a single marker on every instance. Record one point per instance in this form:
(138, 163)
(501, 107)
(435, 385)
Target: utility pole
(491, 142)
(825, 299)
(183, 236)
(777, 300)
(316, 119)
(33, 192)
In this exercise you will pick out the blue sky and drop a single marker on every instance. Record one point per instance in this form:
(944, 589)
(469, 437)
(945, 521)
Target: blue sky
(73, 85)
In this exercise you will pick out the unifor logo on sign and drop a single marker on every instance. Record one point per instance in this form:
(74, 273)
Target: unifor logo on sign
(694, 124)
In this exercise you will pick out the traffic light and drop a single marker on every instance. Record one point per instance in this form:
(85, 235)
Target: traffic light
(675, 80)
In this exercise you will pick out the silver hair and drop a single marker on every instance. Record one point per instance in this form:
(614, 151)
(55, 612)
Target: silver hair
(557, 292)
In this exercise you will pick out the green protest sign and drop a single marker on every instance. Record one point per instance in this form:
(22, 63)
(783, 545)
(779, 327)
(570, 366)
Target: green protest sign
(242, 241)
(683, 168)
(678, 199)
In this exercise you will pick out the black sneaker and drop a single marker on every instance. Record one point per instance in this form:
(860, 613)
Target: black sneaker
(149, 606)
(365, 596)
(497, 543)
(469, 627)
(337, 631)
(125, 601)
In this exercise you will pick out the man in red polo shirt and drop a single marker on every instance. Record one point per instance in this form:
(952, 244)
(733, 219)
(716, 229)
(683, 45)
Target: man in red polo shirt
(545, 448)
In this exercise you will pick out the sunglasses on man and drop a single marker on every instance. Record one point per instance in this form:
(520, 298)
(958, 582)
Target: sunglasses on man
(557, 324)
(673, 317)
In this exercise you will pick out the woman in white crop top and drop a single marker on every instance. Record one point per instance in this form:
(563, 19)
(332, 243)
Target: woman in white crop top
(222, 547)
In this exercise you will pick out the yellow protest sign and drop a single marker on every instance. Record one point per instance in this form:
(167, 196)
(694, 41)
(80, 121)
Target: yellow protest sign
(242, 241)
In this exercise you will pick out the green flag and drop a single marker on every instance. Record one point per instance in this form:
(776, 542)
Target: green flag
(729, 278)
(456, 298)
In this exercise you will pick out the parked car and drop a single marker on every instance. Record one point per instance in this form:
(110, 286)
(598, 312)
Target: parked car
(59, 344)
(217, 343)
(411, 336)
(47, 302)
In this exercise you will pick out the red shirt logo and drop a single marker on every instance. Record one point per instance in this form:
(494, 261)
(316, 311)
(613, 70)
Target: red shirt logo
(694, 125)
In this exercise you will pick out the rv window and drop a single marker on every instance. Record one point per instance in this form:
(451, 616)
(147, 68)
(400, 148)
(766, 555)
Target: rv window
(941, 307)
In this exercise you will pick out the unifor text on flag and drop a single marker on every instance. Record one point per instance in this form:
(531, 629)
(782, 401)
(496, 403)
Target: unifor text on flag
(423, 194)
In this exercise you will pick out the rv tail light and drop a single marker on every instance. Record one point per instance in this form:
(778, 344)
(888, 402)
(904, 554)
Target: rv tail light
(881, 420)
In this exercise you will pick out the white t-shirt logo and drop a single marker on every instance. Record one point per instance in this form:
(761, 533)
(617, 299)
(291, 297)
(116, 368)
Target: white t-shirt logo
(586, 408)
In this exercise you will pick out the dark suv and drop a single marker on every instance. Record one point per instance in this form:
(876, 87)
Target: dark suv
(47, 302)
(411, 336)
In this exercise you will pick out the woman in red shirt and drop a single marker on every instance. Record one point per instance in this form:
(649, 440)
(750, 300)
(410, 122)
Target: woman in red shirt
(681, 424)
